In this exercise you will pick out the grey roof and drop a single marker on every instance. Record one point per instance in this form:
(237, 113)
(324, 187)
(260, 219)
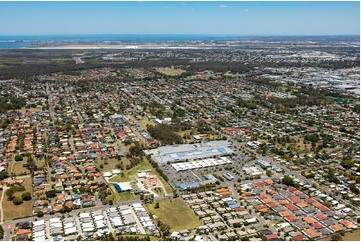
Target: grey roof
(123, 207)
(54, 231)
(86, 220)
(325, 231)
(298, 212)
(129, 219)
(113, 214)
(38, 228)
(70, 219)
(192, 151)
(328, 222)
(300, 224)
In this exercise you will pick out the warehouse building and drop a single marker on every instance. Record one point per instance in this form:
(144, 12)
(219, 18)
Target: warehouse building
(176, 153)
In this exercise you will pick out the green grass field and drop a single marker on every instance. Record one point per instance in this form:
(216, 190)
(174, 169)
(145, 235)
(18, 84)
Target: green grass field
(132, 173)
(111, 164)
(144, 123)
(40, 163)
(175, 213)
(16, 167)
(121, 197)
(170, 72)
(25, 209)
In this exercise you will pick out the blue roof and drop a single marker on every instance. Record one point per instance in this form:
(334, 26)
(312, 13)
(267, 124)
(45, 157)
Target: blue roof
(88, 203)
(37, 183)
(194, 184)
(119, 189)
(223, 150)
(94, 156)
(236, 205)
(184, 186)
(210, 177)
(231, 202)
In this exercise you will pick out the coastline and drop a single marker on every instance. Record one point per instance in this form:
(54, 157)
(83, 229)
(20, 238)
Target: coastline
(113, 47)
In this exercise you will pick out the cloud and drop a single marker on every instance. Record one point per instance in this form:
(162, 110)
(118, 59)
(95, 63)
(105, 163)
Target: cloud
(246, 10)
(223, 6)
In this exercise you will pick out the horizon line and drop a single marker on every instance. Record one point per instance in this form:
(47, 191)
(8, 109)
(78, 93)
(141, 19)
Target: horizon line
(224, 35)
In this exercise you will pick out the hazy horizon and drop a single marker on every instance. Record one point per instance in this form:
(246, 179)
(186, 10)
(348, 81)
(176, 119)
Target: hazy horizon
(180, 18)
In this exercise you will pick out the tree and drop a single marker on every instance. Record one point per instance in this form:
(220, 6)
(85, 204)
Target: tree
(3, 175)
(17, 200)
(10, 194)
(336, 237)
(347, 163)
(156, 206)
(18, 157)
(354, 189)
(269, 173)
(26, 196)
(164, 229)
(50, 193)
(288, 181)
(1, 232)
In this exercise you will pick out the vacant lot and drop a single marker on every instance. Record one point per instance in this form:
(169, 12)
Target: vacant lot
(175, 213)
(31, 110)
(354, 236)
(16, 168)
(121, 197)
(170, 71)
(349, 236)
(132, 173)
(40, 163)
(145, 122)
(25, 209)
(112, 163)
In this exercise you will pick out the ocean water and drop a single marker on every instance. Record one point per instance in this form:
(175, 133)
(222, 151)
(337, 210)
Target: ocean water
(15, 42)
(14, 45)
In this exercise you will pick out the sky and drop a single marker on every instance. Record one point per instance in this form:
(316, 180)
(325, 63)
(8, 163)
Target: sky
(203, 18)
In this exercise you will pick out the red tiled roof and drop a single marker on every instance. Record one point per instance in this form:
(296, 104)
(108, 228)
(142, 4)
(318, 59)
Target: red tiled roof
(291, 207)
(309, 220)
(271, 236)
(291, 218)
(321, 216)
(294, 199)
(317, 225)
(299, 238)
(323, 209)
(272, 205)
